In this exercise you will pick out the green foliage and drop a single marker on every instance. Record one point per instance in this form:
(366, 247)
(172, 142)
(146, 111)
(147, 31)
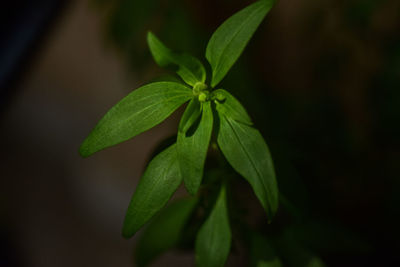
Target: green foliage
(247, 152)
(160, 180)
(213, 241)
(229, 40)
(208, 109)
(189, 68)
(139, 111)
(164, 231)
(192, 147)
(190, 116)
(228, 105)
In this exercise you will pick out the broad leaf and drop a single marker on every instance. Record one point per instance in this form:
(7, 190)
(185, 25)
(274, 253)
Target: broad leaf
(192, 148)
(189, 68)
(190, 116)
(213, 241)
(229, 40)
(139, 111)
(164, 231)
(262, 253)
(228, 105)
(246, 151)
(160, 180)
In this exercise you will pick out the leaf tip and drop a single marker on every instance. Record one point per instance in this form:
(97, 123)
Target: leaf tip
(126, 235)
(127, 231)
(84, 151)
(192, 191)
(215, 80)
(150, 35)
(271, 212)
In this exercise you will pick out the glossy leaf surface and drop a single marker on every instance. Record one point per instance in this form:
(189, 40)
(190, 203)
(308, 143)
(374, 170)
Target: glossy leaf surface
(139, 111)
(192, 149)
(228, 105)
(164, 231)
(190, 116)
(213, 241)
(246, 151)
(159, 182)
(229, 40)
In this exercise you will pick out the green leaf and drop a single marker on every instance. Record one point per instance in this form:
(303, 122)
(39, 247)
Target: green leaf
(263, 253)
(246, 151)
(164, 231)
(190, 116)
(229, 40)
(192, 149)
(160, 180)
(189, 68)
(228, 105)
(213, 241)
(139, 111)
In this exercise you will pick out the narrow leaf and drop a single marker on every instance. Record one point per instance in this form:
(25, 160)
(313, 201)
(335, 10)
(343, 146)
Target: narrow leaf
(246, 151)
(228, 105)
(229, 40)
(192, 149)
(139, 111)
(213, 241)
(155, 188)
(189, 68)
(191, 114)
(164, 231)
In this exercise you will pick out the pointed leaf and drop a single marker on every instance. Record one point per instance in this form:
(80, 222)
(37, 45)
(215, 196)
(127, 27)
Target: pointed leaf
(164, 231)
(192, 149)
(213, 241)
(228, 105)
(230, 39)
(160, 180)
(139, 111)
(191, 114)
(189, 68)
(246, 151)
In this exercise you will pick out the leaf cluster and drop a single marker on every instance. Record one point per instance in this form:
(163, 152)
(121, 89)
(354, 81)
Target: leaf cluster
(211, 111)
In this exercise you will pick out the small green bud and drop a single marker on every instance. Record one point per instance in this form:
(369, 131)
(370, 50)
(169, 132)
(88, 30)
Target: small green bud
(202, 97)
(199, 87)
(220, 97)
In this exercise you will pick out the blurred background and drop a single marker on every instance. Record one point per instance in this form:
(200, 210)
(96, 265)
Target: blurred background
(321, 80)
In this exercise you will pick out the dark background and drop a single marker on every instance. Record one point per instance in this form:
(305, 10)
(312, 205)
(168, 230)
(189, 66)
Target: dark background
(321, 80)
